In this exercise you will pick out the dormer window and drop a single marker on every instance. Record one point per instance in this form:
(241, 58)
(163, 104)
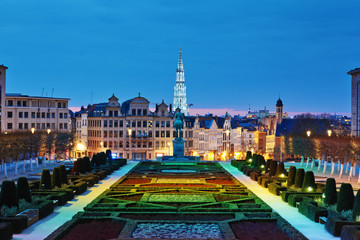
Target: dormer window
(133, 112)
(139, 112)
(110, 113)
(144, 112)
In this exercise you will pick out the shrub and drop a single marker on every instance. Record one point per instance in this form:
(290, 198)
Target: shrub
(356, 208)
(267, 166)
(280, 169)
(75, 169)
(108, 154)
(23, 189)
(330, 192)
(261, 161)
(291, 176)
(95, 160)
(81, 165)
(45, 181)
(87, 164)
(273, 166)
(9, 195)
(248, 155)
(63, 175)
(102, 158)
(309, 182)
(299, 178)
(346, 198)
(55, 178)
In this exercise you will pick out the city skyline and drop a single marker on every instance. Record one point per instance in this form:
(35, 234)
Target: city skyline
(235, 54)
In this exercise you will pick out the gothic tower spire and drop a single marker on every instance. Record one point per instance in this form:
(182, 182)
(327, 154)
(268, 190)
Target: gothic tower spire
(180, 88)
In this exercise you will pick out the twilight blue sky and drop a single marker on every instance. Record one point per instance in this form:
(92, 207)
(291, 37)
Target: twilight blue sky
(235, 53)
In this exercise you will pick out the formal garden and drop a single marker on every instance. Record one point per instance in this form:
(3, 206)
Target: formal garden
(322, 202)
(180, 201)
(24, 202)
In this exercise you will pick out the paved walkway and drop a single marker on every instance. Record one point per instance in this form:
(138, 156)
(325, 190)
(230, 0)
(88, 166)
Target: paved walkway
(46, 226)
(310, 229)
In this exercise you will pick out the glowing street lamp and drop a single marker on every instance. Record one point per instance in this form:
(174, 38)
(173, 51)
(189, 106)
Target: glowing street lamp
(308, 133)
(329, 132)
(32, 130)
(48, 130)
(101, 145)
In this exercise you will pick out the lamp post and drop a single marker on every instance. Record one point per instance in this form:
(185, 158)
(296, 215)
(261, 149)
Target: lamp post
(129, 132)
(329, 132)
(101, 145)
(48, 132)
(168, 147)
(308, 133)
(32, 130)
(227, 143)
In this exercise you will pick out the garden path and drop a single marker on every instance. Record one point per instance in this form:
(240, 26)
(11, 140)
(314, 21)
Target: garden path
(310, 229)
(46, 226)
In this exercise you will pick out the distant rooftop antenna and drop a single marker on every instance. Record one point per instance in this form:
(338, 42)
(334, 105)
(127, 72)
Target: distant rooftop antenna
(52, 93)
(249, 107)
(42, 92)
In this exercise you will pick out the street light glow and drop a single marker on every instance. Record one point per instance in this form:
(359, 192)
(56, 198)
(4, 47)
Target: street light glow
(32, 130)
(308, 133)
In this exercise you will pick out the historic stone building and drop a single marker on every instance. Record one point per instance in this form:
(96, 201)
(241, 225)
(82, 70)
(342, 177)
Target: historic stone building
(355, 101)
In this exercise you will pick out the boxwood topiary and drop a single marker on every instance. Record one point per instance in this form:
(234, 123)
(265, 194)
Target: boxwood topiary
(63, 175)
(82, 167)
(267, 166)
(87, 164)
(309, 182)
(330, 192)
(261, 162)
(356, 208)
(108, 154)
(95, 160)
(272, 170)
(299, 178)
(291, 176)
(23, 189)
(45, 181)
(346, 198)
(75, 168)
(248, 155)
(55, 178)
(280, 169)
(9, 196)
(102, 158)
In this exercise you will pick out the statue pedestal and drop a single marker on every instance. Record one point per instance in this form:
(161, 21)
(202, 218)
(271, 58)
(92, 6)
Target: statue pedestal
(178, 147)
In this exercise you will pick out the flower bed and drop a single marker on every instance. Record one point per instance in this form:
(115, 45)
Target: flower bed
(196, 198)
(96, 230)
(180, 180)
(132, 181)
(177, 231)
(221, 181)
(245, 230)
(181, 185)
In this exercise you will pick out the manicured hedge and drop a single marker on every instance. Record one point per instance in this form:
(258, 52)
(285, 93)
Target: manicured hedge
(346, 198)
(9, 196)
(23, 189)
(272, 170)
(6, 230)
(55, 178)
(299, 178)
(291, 176)
(309, 182)
(309, 208)
(330, 192)
(45, 181)
(19, 223)
(280, 170)
(63, 175)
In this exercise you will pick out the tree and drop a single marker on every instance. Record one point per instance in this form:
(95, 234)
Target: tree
(63, 143)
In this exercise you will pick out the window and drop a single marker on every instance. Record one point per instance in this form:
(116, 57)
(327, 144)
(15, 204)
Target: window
(43, 126)
(24, 104)
(48, 125)
(9, 114)
(116, 123)
(9, 126)
(157, 134)
(162, 134)
(150, 144)
(48, 115)
(121, 123)
(110, 134)
(53, 126)
(52, 115)
(157, 124)
(65, 115)
(162, 144)
(139, 124)
(33, 125)
(144, 145)
(150, 134)
(144, 112)
(150, 124)
(105, 144)
(105, 123)
(37, 125)
(167, 123)
(110, 113)
(60, 115)
(105, 134)
(38, 115)
(144, 124)
(59, 105)
(167, 134)
(121, 133)
(10, 103)
(134, 112)
(64, 105)
(20, 126)
(157, 144)
(116, 113)
(162, 123)
(26, 126)
(61, 126)
(43, 115)
(133, 124)
(163, 113)
(116, 134)
(65, 126)
(32, 114)
(18, 103)
(110, 123)
(139, 144)
(20, 114)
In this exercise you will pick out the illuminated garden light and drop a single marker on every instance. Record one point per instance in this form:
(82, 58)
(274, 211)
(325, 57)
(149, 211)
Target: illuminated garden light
(282, 175)
(309, 189)
(262, 166)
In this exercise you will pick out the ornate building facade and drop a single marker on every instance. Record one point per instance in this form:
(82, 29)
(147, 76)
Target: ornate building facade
(180, 88)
